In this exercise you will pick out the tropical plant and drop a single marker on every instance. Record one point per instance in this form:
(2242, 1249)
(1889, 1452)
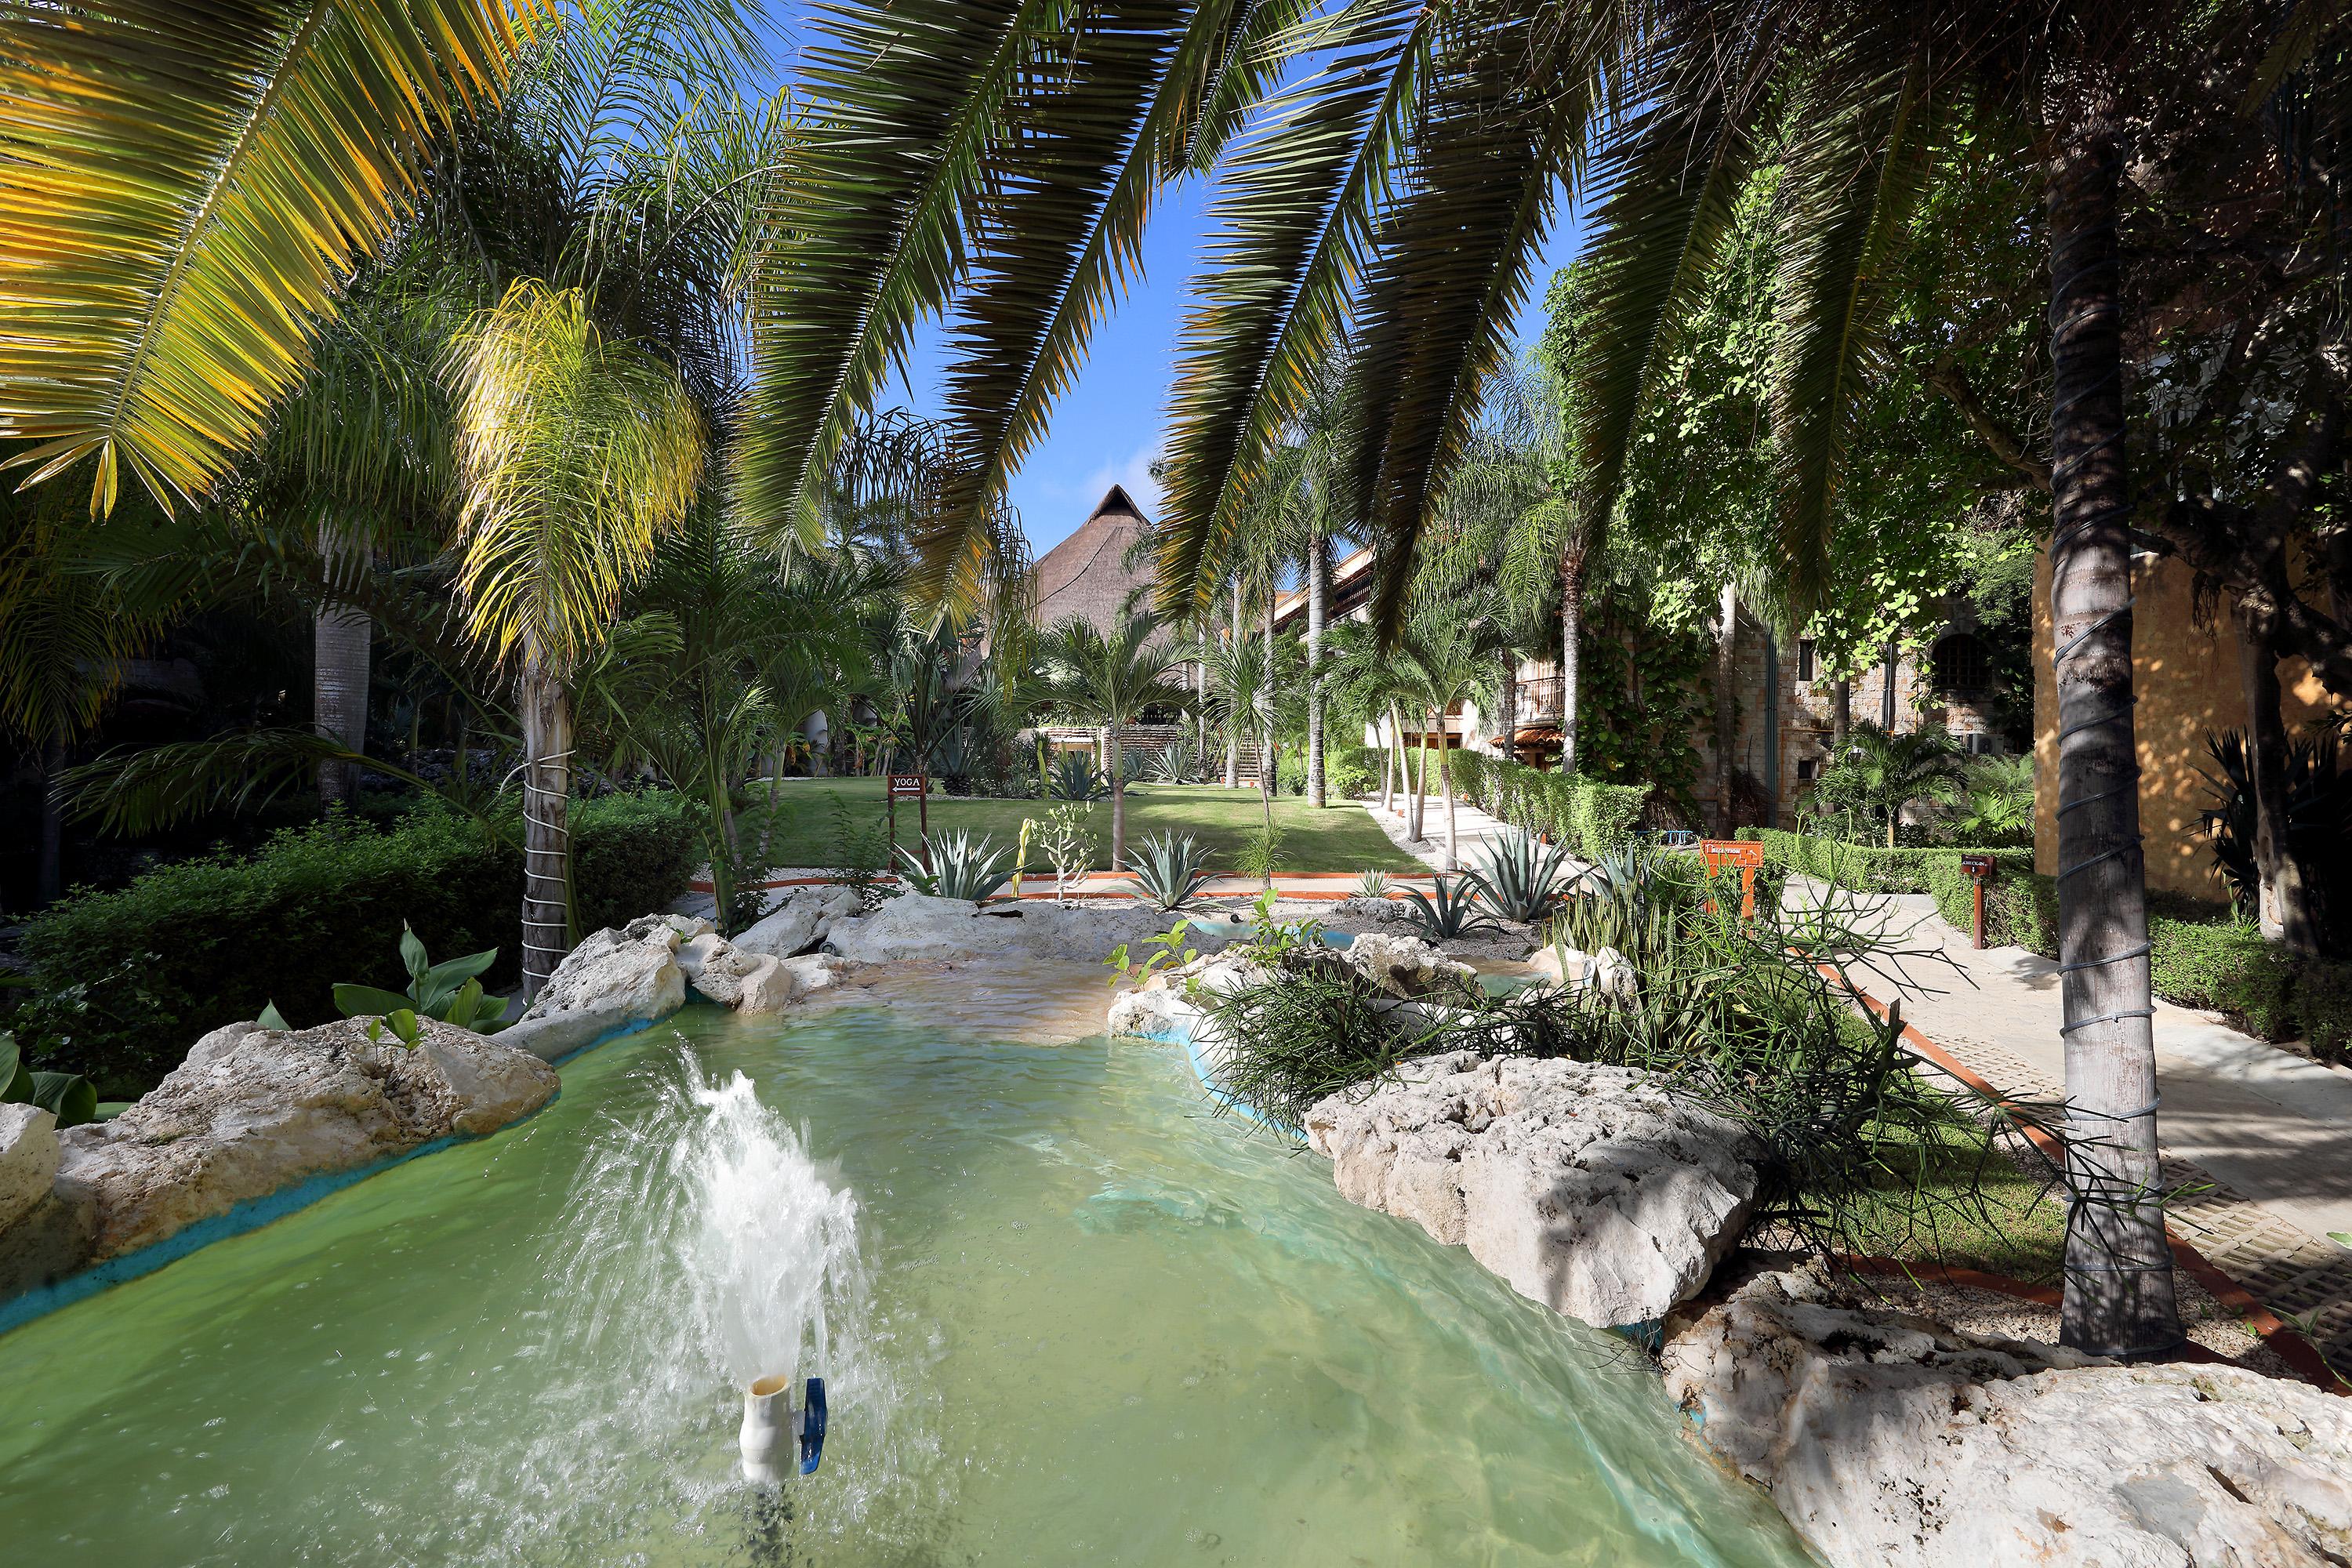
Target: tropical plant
(1877, 775)
(575, 454)
(962, 867)
(1447, 658)
(1076, 779)
(68, 1097)
(1521, 879)
(2319, 819)
(861, 852)
(1066, 845)
(1106, 681)
(1995, 806)
(1179, 762)
(1261, 855)
(1451, 909)
(1168, 870)
(1372, 885)
(450, 991)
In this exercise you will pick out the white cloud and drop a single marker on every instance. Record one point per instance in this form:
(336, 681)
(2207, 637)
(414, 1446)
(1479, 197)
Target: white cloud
(1134, 472)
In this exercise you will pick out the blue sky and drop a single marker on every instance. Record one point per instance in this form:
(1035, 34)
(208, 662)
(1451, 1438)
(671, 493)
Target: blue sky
(1107, 428)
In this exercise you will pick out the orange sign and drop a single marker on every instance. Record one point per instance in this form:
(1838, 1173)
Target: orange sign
(1722, 854)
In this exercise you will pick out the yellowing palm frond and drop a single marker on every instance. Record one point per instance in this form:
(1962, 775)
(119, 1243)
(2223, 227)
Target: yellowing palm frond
(575, 455)
(185, 189)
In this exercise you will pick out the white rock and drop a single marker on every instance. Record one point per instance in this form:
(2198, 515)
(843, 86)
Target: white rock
(28, 1160)
(1895, 1442)
(632, 972)
(1594, 1190)
(811, 972)
(916, 926)
(1406, 966)
(1613, 975)
(770, 987)
(803, 919)
(252, 1110)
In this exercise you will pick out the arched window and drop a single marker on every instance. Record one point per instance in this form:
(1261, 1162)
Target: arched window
(1959, 664)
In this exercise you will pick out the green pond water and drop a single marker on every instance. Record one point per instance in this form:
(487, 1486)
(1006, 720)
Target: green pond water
(1069, 1317)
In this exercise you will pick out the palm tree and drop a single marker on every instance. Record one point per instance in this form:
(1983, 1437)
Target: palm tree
(1880, 772)
(1108, 682)
(575, 453)
(1245, 676)
(1446, 658)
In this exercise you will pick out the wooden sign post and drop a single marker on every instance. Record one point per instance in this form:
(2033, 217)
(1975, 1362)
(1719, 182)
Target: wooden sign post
(1721, 854)
(911, 786)
(1979, 869)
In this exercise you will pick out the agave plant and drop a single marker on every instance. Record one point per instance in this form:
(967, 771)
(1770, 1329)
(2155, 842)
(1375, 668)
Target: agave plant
(1520, 878)
(1452, 910)
(1168, 869)
(962, 867)
(1372, 885)
(1074, 778)
(1179, 762)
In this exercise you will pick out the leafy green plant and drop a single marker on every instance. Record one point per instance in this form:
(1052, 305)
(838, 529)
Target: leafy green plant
(1278, 941)
(1260, 854)
(1167, 870)
(1074, 778)
(1452, 911)
(861, 853)
(1520, 878)
(67, 1096)
(450, 991)
(1177, 763)
(1876, 774)
(2318, 819)
(1995, 806)
(1371, 885)
(1168, 951)
(1065, 842)
(962, 867)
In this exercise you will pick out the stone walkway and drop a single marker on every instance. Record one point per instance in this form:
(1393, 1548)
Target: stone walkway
(2256, 1142)
(1472, 826)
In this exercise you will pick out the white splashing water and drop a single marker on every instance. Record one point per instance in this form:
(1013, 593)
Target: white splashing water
(701, 1248)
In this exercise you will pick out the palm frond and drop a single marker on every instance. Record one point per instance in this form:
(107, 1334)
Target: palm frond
(1854, 174)
(138, 790)
(184, 192)
(576, 453)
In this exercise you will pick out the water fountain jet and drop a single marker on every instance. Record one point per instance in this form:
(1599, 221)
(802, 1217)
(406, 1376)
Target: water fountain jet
(772, 1426)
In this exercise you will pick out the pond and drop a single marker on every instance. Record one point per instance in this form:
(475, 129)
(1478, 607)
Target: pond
(1064, 1314)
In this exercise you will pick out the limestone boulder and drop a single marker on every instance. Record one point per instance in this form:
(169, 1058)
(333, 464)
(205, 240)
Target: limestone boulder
(1595, 1190)
(920, 928)
(28, 1160)
(1406, 966)
(811, 972)
(805, 918)
(1894, 1442)
(715, 970)
(615, 978)
(1357, 907)
(253, 1110)
(767, 987)
(1609, 970)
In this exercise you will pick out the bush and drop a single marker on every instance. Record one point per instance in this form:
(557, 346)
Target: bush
(2021, 905)
(1874, 868)
(1590, 818)
(125, 982)
(1347, 771)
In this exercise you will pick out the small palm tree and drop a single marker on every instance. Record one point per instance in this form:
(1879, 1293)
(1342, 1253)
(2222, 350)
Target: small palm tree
(1447, 659)
(1107, 682)
(1880, 774)
(574, 454)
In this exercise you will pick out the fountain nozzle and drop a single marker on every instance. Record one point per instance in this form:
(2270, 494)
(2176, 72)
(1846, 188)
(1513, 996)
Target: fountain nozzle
(768, 1431)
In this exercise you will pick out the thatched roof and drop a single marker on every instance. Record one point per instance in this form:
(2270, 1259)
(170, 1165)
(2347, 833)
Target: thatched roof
(1086, 574)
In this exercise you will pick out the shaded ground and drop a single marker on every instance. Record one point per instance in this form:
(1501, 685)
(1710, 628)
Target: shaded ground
(1340, 837)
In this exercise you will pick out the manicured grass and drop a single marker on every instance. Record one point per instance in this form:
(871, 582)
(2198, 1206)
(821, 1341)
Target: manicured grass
(1993, 1218)
(1341, 837)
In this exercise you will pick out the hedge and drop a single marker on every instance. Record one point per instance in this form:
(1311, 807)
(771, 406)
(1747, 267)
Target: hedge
(1347, 771)
(2262, 987)
(1590, 818)
(125, 982)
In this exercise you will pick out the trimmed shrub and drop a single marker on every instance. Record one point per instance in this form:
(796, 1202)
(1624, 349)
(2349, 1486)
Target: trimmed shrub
(1588, 815)
(1874, 867)
(1347, 771)
(125, 982)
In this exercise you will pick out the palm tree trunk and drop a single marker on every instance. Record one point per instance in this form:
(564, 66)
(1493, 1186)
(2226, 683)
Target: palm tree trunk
(2285, 908)
(1232, 722)
(1841, 707)
(545, 708)
(1265, 751)
(1118, 822)
(340, 636)
(1510, 705)
(1421, 788)
(1392, 760)
(1571, 633)
(1316, 553)
(1889, 672)
(1726, 706)
(2118, 1291)
(1445, 788)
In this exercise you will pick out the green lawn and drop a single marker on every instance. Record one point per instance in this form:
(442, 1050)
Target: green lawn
(1341, 837)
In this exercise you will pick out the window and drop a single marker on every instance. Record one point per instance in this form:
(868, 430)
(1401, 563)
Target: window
(1808, 768)
(1959, 664)
(1804, 661)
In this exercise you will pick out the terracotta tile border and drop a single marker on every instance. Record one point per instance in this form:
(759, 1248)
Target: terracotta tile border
(2293, 1348)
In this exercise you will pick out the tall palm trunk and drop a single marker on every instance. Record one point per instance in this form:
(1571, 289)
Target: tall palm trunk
(1445, 788)
(1232, 722)
(1118, 823)
(1726, 706)
(1265, 758)
(1889, 674)
(2118, 1293)
(1421, 787)
(340, 636)
(1317, 552)
(1392, 760)
(1841, 707)
(1571, 633)
(2284, 905)
(1510, 705)
(545, 709)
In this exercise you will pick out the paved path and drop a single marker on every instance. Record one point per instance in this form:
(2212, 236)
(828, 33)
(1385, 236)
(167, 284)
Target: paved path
(1472, 826)
(2261, 1137)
